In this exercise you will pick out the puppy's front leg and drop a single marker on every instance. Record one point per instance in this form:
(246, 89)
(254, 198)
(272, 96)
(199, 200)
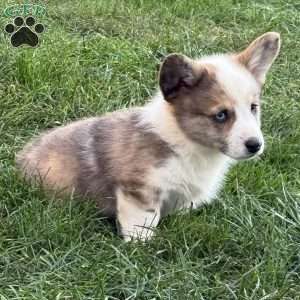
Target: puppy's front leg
(137, 219)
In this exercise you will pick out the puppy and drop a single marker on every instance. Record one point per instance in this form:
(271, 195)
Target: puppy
(174, 152)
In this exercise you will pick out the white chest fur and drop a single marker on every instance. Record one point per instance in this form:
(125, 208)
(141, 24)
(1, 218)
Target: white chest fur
(192, 176)
(189, 179)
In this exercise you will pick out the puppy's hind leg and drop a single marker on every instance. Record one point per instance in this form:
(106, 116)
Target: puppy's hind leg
(136, 219)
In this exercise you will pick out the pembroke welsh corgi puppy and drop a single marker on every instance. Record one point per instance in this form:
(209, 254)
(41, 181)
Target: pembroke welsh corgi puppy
(174, 152)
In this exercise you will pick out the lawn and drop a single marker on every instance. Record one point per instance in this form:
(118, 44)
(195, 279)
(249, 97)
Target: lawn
(99, 56)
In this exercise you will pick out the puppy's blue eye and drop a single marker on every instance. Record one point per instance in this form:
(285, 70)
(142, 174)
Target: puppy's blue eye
(221, 116)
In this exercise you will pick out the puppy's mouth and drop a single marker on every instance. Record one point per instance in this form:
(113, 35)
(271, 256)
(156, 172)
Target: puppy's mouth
(247, 156)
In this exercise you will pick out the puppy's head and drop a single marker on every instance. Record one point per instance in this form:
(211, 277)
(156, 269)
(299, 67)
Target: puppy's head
(216, 99)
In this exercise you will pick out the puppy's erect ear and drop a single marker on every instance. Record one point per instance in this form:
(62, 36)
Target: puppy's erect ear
(177, 75)
(260, 54)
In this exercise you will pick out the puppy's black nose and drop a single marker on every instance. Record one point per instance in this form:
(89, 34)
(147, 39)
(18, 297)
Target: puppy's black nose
(253, 145)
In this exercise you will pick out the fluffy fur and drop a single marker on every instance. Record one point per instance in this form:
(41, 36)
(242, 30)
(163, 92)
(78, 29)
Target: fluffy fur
(173, 153)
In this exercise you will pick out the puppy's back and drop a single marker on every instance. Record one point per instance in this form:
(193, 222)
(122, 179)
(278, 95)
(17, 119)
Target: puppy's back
(52, 159)
(97, 156)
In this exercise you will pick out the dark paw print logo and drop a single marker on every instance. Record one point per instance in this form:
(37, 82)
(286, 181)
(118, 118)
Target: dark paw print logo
(24, 32)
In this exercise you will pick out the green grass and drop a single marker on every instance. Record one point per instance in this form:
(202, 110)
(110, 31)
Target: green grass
(98, 56)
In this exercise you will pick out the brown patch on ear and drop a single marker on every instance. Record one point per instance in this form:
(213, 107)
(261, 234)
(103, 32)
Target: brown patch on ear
(178, 74)
(260, 54)
(195, 112)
